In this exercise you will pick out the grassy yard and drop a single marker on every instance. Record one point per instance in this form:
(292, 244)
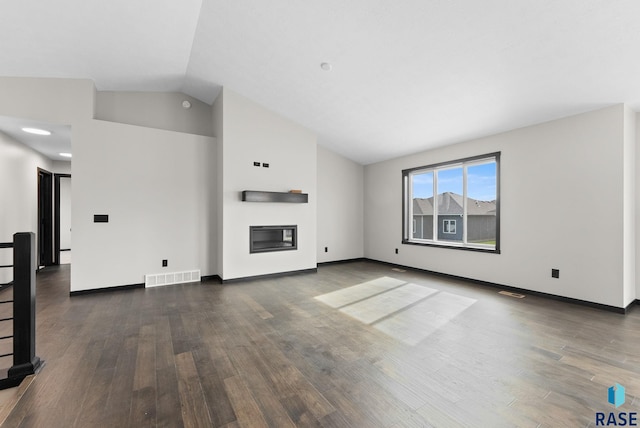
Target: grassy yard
(490, 242)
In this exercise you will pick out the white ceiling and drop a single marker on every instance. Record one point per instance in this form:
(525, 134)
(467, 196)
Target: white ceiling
(407, 76)
(50, 145)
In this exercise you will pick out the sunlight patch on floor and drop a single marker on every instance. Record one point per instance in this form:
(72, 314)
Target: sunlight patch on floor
(418, 322)
(350, 295)
(382, 305)
(405, 311)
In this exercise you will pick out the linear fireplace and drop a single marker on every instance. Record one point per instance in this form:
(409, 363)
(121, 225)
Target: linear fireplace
(272, 238)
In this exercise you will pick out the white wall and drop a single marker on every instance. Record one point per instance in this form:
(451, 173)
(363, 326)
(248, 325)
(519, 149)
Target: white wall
(65, 213)
(18, 194)
(155, 187)
(162, 110)
(253, 133)
(59, 101)
(61, 167)
(629, 206)
(340, 207)
(64, 167)
(562, 189)
(217, 111)
(637, 199)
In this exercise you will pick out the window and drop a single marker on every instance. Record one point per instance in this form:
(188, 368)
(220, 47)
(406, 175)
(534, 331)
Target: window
(454, 204)
(449, 226)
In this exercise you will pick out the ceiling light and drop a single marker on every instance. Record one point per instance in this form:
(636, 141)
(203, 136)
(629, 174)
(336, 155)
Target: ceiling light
(65, 155)
(36, 131)
(325, 66)
(186, 104)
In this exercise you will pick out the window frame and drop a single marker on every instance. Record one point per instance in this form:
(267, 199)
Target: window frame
(449, 222)
(407, 203)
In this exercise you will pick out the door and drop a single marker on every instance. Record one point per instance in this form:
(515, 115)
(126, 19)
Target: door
(45, 218)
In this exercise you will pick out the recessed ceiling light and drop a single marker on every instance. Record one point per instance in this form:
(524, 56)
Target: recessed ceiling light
(325, 66)
(65, 155)
(36, 131)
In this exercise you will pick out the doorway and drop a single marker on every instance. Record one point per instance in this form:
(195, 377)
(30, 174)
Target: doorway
(45, 218)
(62, 204)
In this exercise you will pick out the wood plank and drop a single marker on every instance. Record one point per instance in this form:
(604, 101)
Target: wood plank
(145, 374)
(118, 402)
(168, 399)
(257, 308)
(94, 403)
(10, 397)
(264, 396)
(195, 412)
(220, 407)
(246, 409)
(143, 407)
(167, 393)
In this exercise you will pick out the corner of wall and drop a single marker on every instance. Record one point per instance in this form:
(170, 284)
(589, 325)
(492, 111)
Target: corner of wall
(632, 195)
(217, 112)
(629, 209)
(340, 207)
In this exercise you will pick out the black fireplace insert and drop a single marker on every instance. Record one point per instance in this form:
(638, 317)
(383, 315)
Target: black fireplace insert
(272, 238)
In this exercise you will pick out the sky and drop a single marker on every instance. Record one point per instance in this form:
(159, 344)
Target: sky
(481, 182)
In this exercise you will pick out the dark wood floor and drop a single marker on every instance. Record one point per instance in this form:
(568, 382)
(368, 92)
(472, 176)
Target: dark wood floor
(266, 353)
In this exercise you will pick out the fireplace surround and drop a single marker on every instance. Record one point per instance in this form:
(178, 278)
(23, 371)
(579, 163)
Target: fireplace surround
(264, 239)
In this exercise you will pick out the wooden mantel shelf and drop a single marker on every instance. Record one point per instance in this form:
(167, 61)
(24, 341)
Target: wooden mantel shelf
(259, 196)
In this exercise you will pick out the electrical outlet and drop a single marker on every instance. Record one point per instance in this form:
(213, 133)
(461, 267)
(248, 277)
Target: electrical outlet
(396, 251)
(256, 164)
(165, 263)
(326, 249)
(555, 273)
(265, 165)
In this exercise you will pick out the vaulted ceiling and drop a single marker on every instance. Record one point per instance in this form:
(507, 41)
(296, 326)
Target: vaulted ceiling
(405, 76)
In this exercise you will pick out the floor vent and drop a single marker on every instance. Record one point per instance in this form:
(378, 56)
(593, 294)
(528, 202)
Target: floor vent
(510, 294)
(159, 279)
(398, 270)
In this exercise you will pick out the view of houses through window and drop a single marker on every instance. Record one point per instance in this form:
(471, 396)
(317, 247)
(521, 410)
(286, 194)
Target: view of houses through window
(464, 212)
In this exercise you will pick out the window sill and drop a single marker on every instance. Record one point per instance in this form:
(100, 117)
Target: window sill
(452, 246)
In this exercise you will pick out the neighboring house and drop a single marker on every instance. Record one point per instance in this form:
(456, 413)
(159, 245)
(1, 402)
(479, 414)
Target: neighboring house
(481, 218)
